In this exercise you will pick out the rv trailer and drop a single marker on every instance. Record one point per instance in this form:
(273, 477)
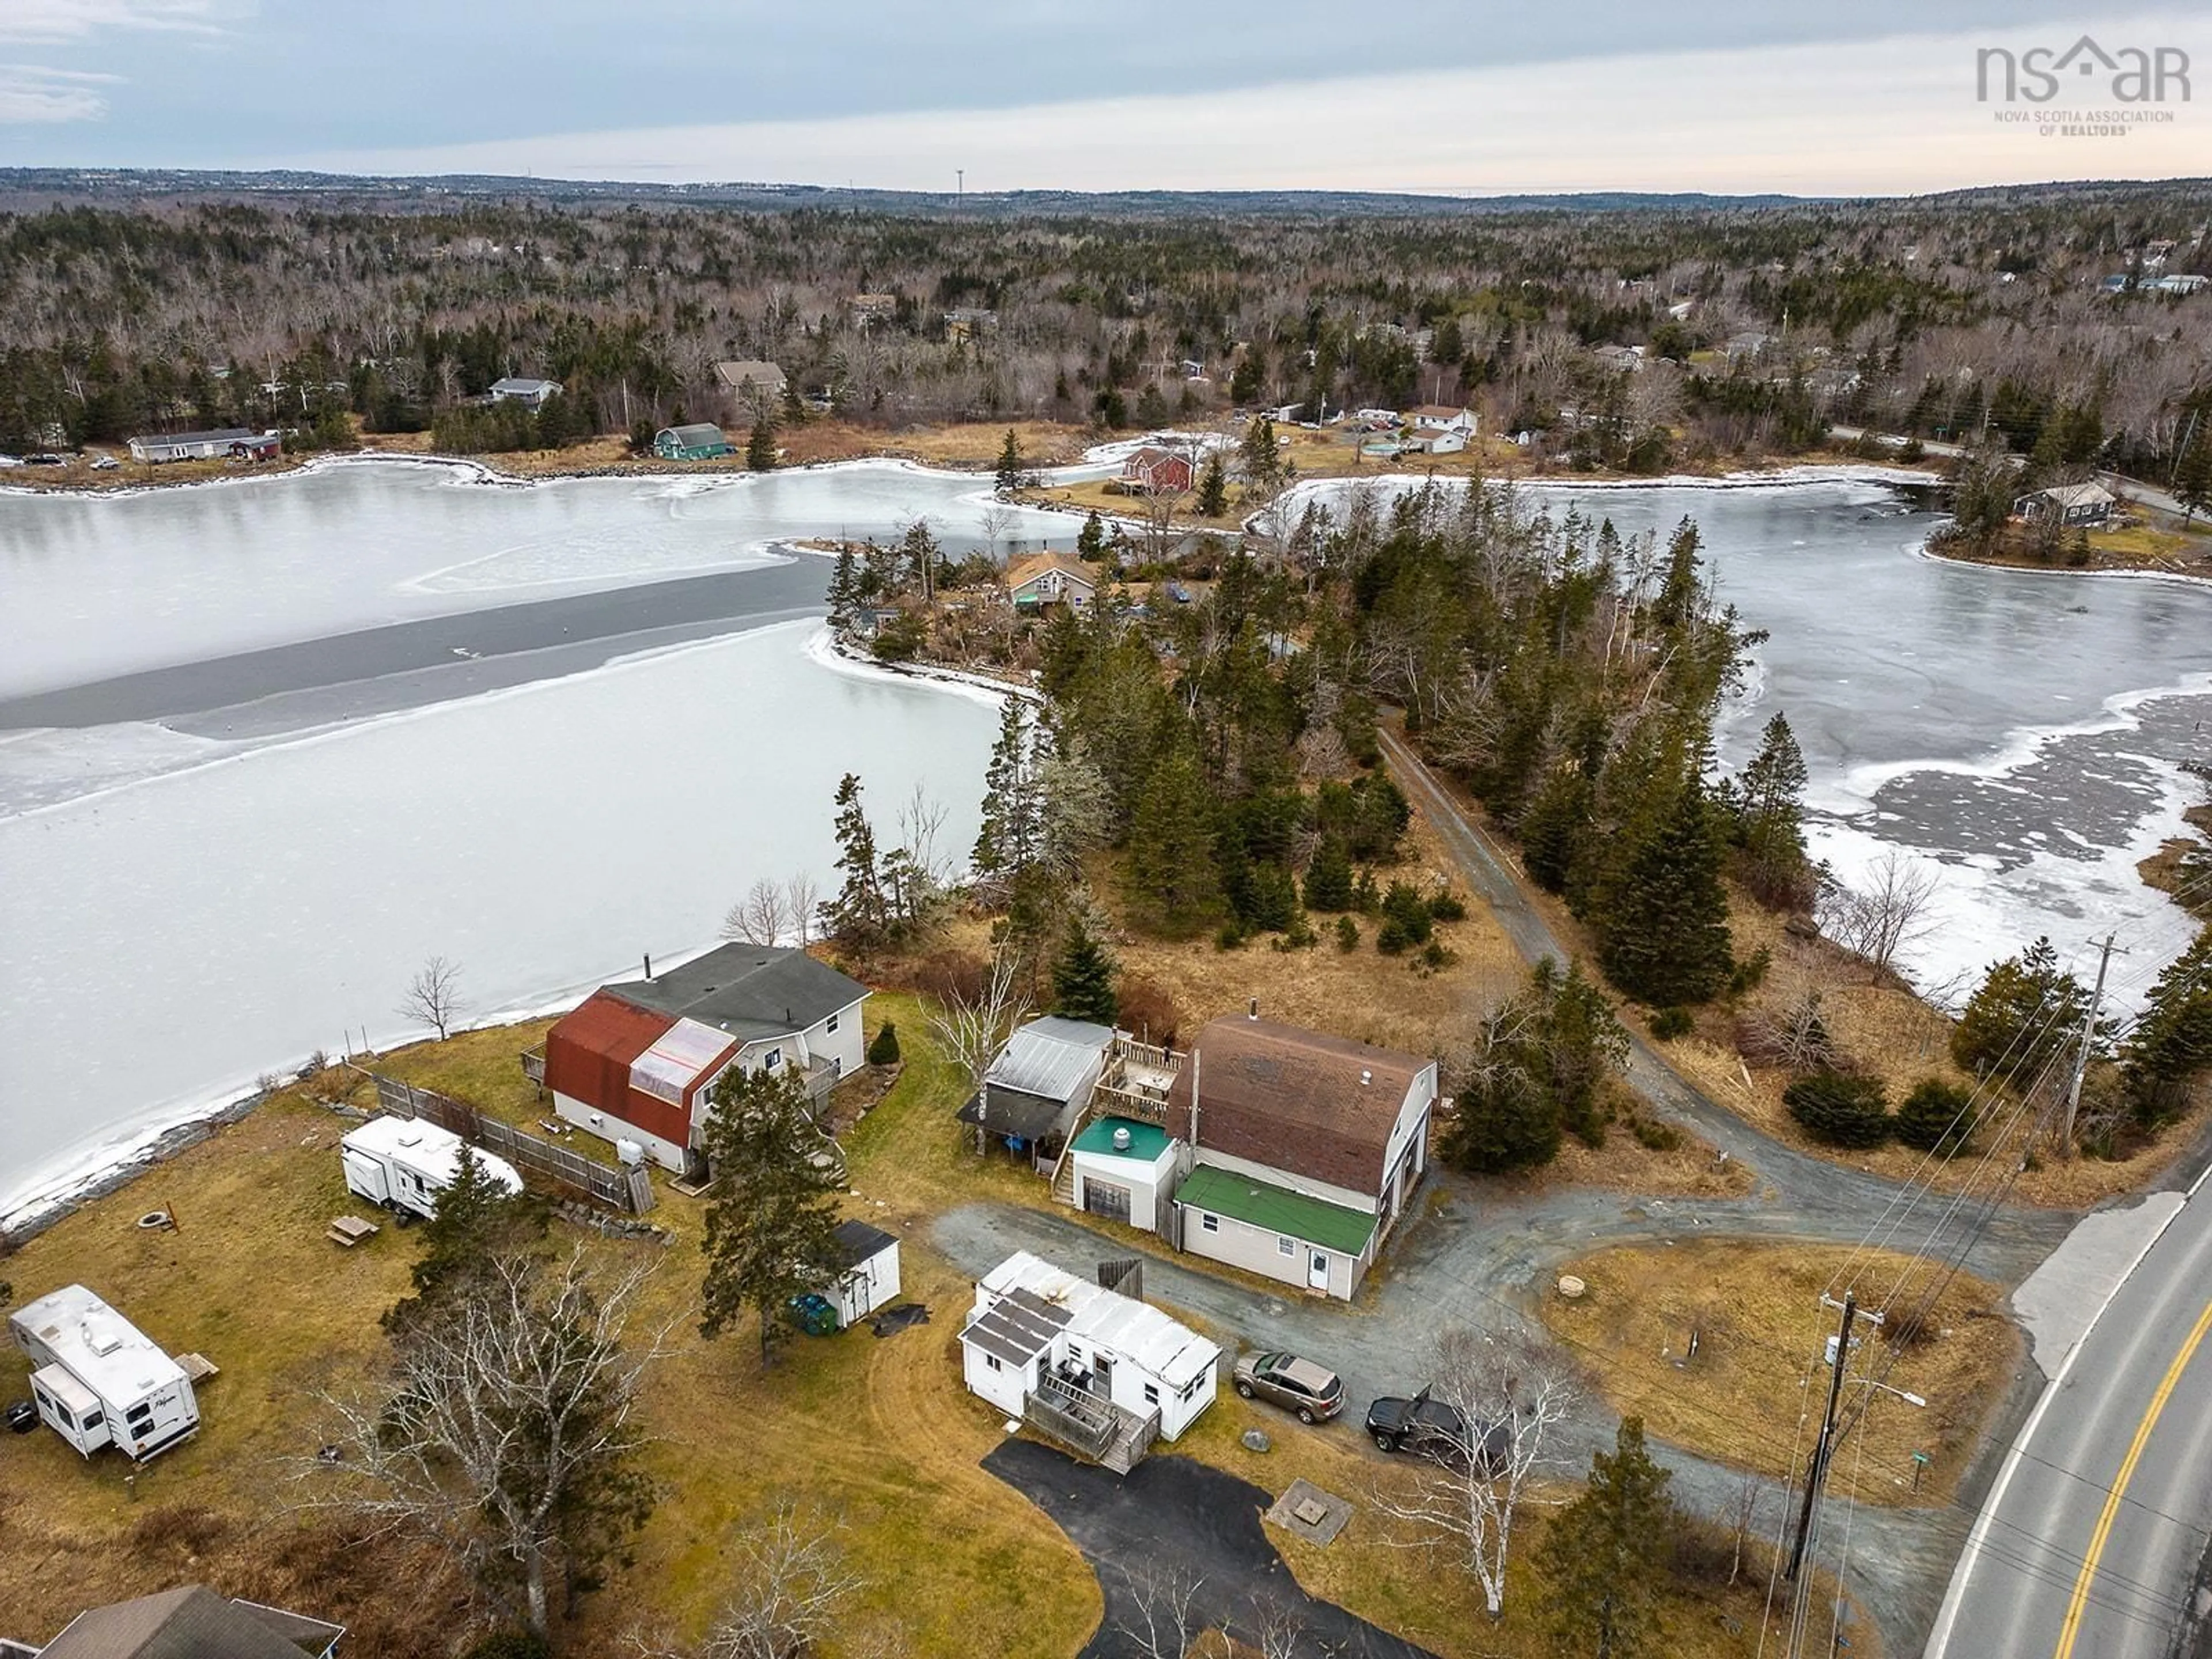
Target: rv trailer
(404, 1163)
(100, 1381)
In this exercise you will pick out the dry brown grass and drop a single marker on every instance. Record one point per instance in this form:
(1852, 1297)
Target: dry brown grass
(1760, 1325)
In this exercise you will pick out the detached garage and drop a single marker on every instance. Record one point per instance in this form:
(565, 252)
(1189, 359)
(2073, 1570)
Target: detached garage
(870, 1261)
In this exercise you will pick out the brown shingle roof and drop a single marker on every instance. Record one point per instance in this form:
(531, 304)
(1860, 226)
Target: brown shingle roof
(1024, 571)
(1293, 1100)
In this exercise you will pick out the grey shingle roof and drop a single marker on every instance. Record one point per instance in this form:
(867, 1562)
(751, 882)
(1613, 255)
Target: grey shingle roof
(190, 1622)
(749, 991)
(857, 1242)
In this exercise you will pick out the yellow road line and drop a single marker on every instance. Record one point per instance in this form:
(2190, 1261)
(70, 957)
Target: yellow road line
(2071, 1630)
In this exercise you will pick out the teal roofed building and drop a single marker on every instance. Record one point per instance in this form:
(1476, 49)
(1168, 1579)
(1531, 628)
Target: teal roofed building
(699, 442)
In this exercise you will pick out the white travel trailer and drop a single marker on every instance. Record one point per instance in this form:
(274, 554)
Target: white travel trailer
(404, 1163)
(100, 1381)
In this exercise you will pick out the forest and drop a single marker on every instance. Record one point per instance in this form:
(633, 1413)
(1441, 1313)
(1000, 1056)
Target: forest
(2036, 317)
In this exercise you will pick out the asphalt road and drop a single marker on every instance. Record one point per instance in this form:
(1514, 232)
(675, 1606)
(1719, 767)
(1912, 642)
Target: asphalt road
(2091, 1543)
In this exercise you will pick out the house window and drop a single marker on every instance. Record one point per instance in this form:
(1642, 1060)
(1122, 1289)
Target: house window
(1209, 1224)
(1285, 1246)
(771, 1059)
(991, 1361)
(832, 1025)
(1151, 1394)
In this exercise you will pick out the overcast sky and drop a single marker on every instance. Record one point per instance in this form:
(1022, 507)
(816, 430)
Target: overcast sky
(1456, 95)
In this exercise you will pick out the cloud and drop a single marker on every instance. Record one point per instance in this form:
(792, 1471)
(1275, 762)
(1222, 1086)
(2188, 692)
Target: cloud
(1894, 115)
(61, 22)
(31, 92)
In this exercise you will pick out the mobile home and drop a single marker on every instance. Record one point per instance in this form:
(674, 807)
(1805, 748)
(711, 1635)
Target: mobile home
(100, 1381)
(404, 1163)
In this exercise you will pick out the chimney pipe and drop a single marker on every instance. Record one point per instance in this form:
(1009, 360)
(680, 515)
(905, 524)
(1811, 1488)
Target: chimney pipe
(1253, 1012)
(1366, 1076)
(648, 964)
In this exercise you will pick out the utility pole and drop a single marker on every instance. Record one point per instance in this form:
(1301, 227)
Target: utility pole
(2081, 1054)
(1817, 1471)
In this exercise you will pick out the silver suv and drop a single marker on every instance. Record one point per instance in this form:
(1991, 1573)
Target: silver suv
(1315, 1393)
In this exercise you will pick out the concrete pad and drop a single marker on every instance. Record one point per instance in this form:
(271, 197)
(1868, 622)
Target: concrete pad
(1313, 1514)
(2061, 1299)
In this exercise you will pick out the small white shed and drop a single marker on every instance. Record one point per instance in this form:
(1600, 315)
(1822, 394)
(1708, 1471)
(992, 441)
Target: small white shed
(869, 1271)
(404, 1163)
(1123, 1168)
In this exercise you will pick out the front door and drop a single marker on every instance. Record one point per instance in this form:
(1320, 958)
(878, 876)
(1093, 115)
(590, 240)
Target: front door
(1317, 1271)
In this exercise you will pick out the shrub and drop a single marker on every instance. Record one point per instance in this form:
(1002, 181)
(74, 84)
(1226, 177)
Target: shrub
(1348, 935)
(1392, 940)
(1668, 1024)
(1299, 935)
(1435, 956)
(1652, 1134)
(1404, 905)
(1444, 905)
(508, 1644)
(1751, 972)
(1228, 937)
(884, 1050)
(1148, 1009)
(1936, 1117)
(1844, 1111)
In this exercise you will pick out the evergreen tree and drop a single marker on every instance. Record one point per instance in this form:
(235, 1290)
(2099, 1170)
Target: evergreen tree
(1606, 1555)
(1151, 408)
(1682, 590)
(2192, 478)
(2025, 1012)
(844, 586)
(1090, 540)
(885, 1050)
(1556, 827)
(1329, 877)
(1662, 920)
(1214, 487)
(1011, 837)
(760, 444)
(1083, 978)
(1936, 1117)
(919, 556)
(1260, 460)
(858, 918)
(771, 1225)
(478, 1222)
(1170, 868)
(1769, 801)
(1013, 471)
(2172, 1044)
(1540, 1068)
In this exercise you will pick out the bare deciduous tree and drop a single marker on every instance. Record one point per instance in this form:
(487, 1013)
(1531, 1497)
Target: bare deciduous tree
(1879, 920)
(508, 1431)
(433, 996)
(1510, 1394)
(791, 1580)
(1165, 1620)
(802, 894)
(997, 522)
(762, 917)
(971, 1029)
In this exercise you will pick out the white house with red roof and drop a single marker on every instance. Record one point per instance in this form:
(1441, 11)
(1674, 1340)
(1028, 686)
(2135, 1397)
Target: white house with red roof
(639, 1061)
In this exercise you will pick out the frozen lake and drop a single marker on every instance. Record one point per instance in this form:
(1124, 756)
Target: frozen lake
(543, 730)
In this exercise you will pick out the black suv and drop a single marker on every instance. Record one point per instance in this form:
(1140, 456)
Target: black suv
(1432, 1428)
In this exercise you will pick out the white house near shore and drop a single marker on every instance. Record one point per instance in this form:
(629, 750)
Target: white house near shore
(1099, 1370)
(100, 1381)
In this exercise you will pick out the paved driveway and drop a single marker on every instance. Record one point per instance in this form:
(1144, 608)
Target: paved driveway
(1172, 1516)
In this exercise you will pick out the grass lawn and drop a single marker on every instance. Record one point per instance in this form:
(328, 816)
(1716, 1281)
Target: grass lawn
(1757, 1313)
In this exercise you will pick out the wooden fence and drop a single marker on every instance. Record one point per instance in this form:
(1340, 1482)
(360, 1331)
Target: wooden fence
(629, 1190)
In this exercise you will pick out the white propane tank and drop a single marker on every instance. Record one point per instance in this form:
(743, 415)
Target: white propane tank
(631, 1153)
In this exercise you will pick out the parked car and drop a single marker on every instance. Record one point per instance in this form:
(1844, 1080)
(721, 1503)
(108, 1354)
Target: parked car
(105, 463)
(1433, 1429)
(1313, 1392)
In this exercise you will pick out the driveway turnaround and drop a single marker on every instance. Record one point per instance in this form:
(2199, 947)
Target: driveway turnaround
(1174, 1518)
